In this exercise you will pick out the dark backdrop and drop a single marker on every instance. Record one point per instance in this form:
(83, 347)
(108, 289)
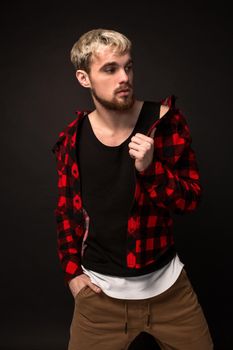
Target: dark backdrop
(181, 48)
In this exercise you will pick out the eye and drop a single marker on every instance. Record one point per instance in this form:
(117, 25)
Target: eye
(129, 67)
(110, 70)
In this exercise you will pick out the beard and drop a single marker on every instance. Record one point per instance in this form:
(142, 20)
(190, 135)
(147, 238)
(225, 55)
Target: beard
(124, 104)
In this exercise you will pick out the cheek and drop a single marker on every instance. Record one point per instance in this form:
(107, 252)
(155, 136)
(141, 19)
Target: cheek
(131, 76)
(106, 88)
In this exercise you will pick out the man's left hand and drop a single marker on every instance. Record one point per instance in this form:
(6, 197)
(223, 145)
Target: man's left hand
(141, 148)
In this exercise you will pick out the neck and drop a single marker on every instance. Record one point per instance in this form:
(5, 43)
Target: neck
(114, 120)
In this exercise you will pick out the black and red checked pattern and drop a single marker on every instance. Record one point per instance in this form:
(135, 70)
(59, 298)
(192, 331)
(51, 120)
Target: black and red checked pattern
(170, 184)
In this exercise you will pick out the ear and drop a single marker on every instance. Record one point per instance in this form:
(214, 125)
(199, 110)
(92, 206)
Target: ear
(83, 78)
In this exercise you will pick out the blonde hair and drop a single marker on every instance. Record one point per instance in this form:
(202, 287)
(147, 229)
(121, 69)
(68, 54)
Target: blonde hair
(90, 43)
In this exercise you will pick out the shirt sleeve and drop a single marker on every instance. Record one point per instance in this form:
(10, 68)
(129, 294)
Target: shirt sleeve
(69, 232)
(172, 180)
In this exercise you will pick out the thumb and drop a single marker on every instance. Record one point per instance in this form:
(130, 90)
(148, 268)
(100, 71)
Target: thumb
(152, 133)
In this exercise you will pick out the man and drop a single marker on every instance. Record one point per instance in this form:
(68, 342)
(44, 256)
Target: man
(123, 170)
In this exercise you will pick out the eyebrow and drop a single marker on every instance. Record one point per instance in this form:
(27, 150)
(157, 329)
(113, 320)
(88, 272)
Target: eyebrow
(114, 63)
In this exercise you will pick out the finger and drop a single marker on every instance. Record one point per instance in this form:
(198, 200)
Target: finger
(139, 138)
(94, 287)
(145, 146)
(134, 154)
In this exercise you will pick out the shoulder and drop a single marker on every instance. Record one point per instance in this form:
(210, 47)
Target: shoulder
(173, 116)
(169, 101)
(68, 131)
(166, 104)
(163, 110)
(169, 104)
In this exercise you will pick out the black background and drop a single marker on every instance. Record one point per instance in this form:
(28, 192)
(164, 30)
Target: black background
(181, 48)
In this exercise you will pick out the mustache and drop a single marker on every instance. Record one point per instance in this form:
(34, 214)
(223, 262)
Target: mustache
(122, 88)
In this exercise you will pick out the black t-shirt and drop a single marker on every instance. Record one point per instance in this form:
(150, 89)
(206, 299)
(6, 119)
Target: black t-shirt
(107, 189)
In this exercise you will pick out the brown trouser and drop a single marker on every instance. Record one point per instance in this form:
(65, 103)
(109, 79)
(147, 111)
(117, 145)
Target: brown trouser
(174, 317)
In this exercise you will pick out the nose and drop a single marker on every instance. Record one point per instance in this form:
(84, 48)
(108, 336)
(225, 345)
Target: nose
(123, 76)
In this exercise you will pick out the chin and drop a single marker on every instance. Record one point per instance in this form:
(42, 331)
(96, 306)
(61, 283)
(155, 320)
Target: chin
(117, 103)
(123, 104)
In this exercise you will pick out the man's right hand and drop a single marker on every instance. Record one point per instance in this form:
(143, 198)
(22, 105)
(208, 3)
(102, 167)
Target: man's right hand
(77, 283)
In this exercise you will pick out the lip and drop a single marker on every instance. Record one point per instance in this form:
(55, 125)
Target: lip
(123, 92)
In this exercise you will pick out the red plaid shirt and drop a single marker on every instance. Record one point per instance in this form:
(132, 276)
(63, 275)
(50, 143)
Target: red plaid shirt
(170, 184)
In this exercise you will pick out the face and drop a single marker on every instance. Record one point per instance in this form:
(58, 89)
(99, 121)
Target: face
(111, 79)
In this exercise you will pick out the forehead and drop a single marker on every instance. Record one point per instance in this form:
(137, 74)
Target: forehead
(108, 55)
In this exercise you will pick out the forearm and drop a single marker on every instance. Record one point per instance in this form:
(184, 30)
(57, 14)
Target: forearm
(167, 188)
(172, 180)
(68, 245)
(69, 232)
